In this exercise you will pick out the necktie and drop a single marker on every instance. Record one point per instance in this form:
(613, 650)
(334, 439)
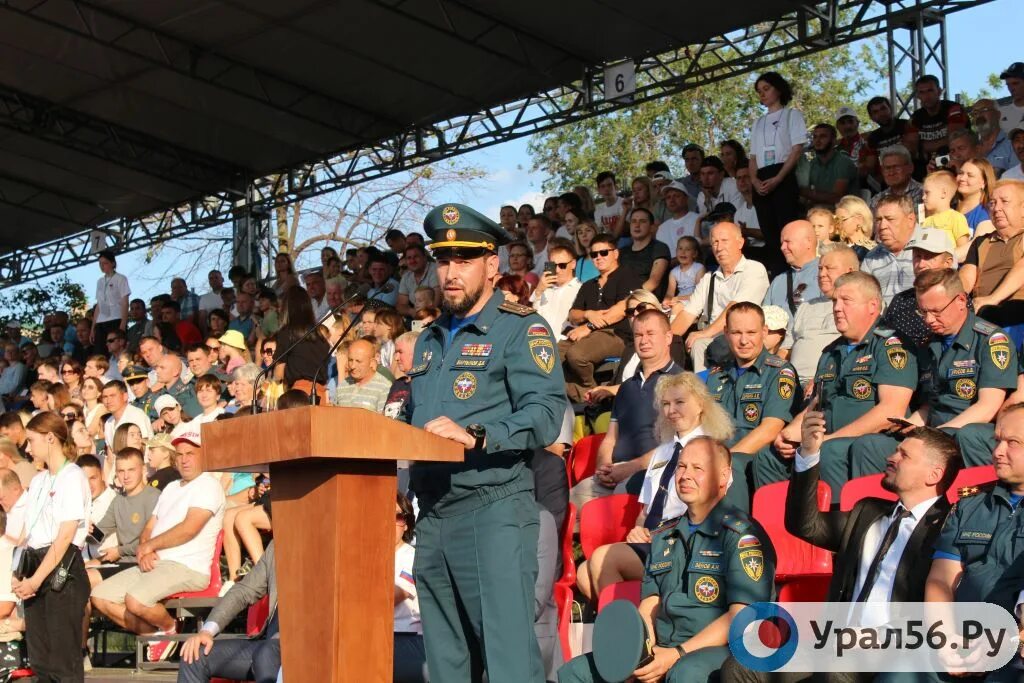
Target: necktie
(272, 627)
(658, 504)
(888, 539)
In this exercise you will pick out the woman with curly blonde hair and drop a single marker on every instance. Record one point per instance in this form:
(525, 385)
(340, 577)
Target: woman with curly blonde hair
(685, 411)
(855, 224)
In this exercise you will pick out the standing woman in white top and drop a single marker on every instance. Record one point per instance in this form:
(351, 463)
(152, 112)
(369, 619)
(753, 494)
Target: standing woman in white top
(111, 310)
(410, 664)
(776, 143)
(49, 574)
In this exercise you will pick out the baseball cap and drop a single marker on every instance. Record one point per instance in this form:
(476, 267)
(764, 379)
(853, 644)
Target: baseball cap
(134, 372)
(720, 211)
(1015, 70)
(233, 338)
(186, 433)
(674, 185)
(933, 240)
(844, 112)
(775, 318)
(164, 402)
(663, 175)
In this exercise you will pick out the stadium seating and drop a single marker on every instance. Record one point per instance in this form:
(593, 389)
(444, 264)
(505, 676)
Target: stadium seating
(801, 568)
(568, 576)
(563, 603)
(869, 486)
(607, 520)
(622, 590)
(583, 458)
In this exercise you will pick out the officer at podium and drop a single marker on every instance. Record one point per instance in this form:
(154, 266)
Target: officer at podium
(485, 374)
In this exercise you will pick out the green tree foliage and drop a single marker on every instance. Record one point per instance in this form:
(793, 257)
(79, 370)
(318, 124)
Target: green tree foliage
(30, 303)
(623, 141)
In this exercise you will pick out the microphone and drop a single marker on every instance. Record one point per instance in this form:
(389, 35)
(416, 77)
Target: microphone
(280, 357)
(386, 288)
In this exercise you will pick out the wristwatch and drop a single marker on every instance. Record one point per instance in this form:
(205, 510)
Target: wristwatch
(591, 325)
(682, 651)
(477, 431)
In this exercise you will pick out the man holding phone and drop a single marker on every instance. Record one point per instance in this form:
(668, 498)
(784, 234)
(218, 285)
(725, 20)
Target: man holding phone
(558, 286)
(966, 371)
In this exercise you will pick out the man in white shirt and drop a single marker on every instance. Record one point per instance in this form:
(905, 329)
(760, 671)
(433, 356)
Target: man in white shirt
(556, 291)
(114, 398)
(175, 553)
(317, 290)
(681, 222)
(212, 299)
(420, 272)
(608, 214)
(1016, 172)
(1013, 111)
(538, 232)
(715, 188)
(735, 279)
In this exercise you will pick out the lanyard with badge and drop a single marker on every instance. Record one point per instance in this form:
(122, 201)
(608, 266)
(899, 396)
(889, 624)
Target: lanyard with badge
(20, 557)
(769, 151)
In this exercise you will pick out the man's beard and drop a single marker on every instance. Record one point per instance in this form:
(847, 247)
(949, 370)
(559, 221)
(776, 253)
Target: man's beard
(465, 305)
(984, 128)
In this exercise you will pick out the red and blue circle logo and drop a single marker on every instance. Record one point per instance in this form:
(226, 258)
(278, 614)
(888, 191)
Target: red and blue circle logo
(763, 636)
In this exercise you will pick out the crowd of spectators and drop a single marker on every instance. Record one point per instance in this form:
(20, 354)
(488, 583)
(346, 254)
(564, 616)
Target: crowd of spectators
(790, 296)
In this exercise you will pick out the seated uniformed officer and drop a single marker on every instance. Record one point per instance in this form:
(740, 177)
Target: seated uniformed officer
(703, 566)
(485, 374)
(169, 370)
(966, 371)
(864, 378)
(137, 379)
(760, 391)
(979, 556)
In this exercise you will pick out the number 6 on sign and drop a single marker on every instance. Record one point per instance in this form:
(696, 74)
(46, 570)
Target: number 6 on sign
(620, 80)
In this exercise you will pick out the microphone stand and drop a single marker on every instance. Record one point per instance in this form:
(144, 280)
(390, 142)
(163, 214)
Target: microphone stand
(280, 357)
(386, 289)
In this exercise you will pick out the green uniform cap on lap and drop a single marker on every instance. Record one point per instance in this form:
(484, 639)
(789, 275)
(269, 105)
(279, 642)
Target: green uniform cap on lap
(456, 226)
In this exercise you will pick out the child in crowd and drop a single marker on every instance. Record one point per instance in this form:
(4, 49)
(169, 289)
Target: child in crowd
(937, 199)
(39, 395)
(423, 297)
(776, 319)
(823, 221)
(683, 279)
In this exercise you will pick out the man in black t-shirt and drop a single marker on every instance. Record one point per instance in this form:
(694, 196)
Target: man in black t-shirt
(891, 131)
(599, 315)
(646, 256)
(936, 119)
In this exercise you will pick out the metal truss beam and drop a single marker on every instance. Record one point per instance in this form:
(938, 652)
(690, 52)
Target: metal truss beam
(813, 27)
(917, 46)
(44, 120)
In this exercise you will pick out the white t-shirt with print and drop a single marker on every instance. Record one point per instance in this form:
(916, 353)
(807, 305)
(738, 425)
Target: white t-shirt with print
(55, 499)
(605, 215)
(671, 229)
(203, 492)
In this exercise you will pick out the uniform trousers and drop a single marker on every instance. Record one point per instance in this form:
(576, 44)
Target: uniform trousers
(700, 666)
(238, 659)
(475, 577)
(53, 624)
(582, 357)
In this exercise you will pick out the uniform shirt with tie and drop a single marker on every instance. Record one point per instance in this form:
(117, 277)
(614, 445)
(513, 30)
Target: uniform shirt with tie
(876, 610)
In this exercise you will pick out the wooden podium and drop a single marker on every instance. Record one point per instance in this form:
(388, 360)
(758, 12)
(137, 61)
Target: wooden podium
(333, 476)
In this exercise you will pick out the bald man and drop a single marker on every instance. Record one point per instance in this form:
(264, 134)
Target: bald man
(364, 387)
(993, 143)
(800, 281)
(169, 370)
(735, 279)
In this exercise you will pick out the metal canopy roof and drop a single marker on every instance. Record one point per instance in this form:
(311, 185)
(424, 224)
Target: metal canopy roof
(111, 109)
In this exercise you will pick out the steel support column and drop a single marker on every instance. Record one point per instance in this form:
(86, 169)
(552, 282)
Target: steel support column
(917, 46)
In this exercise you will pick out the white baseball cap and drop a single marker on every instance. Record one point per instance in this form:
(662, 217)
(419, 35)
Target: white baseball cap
(674, 185)
(933, 240)
(186, 432)
(844, 112)
(164, 402)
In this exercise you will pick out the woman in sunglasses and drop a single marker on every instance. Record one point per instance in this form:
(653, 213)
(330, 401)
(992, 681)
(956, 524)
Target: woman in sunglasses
(267, 349)
(586, 231)
(71, 374)
(93, 410)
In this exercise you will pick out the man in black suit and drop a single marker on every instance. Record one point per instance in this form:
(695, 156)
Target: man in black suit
(883, 548)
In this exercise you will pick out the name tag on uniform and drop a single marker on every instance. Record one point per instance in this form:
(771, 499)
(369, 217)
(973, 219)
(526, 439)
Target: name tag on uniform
(974, 537)
(474, 363)
(705, 566)
(961, 372)
(751, 396)
(659, 567)
(860, 368)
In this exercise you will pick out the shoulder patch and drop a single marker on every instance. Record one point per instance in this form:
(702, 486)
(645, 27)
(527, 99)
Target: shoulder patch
(985, 327)
(736, 523)
(997, 338)
(894, 341)
(667, 525)
(517, 309)
(774, 361)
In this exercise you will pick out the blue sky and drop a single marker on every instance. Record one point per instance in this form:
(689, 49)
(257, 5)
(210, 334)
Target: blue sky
(995, 27)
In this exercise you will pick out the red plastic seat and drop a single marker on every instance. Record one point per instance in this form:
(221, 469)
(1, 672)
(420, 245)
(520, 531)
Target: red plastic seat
(583, 458)
(563, 603)
(869, 486)
(623, 590)
(216, 582)
(971, 476)
(568, 577)
(796, 559)
(607, 520)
